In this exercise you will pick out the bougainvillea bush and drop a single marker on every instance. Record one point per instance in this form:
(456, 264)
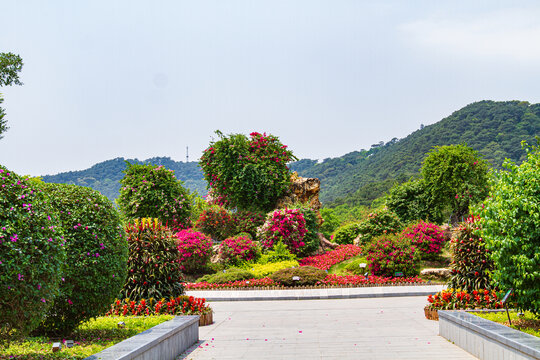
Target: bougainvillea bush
(238, 249)
(31, 255)
(452, 299)
(194, 250)
(180, 305)
(248, 221)
(247, 173)
(149, 191)
(390, 254)
(286, 225)
(217, 223)
(153, 267)
(379, 223)
(427, 237)
(97, 252)
(471, 262)
(327, 260)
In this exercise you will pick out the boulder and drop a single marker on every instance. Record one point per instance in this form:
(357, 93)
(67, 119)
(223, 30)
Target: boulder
(302, 190)
(439, 273)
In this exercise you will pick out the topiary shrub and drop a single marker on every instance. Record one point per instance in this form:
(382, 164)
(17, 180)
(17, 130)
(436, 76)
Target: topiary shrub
(378, 223)
(31, 255)
(217, 223)
(391, 254)
(287, 225)
(264, 270)
(195, 250)
(153, 267)
(238, 249)
(345, 234)
(231, 274)
(96, 265)
(427, 237)
(149, 191)
(299, 276)
(248, 221)
(471, 263)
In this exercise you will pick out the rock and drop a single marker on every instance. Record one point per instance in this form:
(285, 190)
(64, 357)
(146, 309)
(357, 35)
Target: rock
(302, 190)
(217, 257)
(441, 273)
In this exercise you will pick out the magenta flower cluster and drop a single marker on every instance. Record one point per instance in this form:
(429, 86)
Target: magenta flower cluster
(194, 249)
(238, 249)
(427, 237)
(287, 225)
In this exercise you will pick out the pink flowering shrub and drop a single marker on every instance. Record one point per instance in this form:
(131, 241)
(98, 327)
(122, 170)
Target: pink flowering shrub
(238, 249)
(327, 260)
(427, 237)
(287, 225)
(389, 254)
(194, 250)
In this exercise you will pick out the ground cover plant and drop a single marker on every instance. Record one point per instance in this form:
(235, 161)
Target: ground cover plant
(330, 258)
(263, 270)
(526, 322)
(350, 266)
(89, 338)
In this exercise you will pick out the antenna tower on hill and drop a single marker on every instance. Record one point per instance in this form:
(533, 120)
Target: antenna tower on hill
(187, 154)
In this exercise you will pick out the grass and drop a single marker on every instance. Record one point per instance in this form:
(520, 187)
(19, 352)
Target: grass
(89, 338)
(349, 267)
(527, 323)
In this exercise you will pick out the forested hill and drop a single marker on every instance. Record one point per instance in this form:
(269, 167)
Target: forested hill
(105, 176)
(495, 129)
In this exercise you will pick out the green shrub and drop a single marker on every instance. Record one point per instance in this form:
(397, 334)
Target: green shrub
(278, 253)
(306, 275)
(238, 249)
(346, 234)
(311, 238)
(379, 222)
(248, 221)
(389, 254)
(264, 270)
(354, 266)
(153, 192)
(153, 267)
(330, 222)
(511, 229)
(31, 255)
(231, 274)
(96, 265)
(194, 250)
(217, 223)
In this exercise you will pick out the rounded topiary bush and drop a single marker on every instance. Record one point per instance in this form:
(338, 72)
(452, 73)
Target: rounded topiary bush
(287, 225)
(149, 191)
(31, 255)
(299, 276)
(391, 254)
(346, 234)
(238, 249)
(153, 267)
(427, 237)
(194, 248)
(217, 223)
(96, 263)
(225, 276)
(380, 222)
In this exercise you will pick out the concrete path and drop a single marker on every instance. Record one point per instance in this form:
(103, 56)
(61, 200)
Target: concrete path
(363, 328)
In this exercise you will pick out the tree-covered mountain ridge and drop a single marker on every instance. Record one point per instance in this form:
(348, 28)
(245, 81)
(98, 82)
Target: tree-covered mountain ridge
(495, 129)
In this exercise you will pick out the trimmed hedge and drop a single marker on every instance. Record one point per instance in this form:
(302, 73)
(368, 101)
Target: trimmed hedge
(305, 275)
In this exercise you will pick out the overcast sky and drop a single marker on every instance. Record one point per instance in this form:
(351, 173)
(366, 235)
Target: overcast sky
(138, 79)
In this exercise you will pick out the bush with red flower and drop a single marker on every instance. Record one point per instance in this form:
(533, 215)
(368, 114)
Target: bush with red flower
(194, 250)
(217, 223)
(452, 299)
(427, 237)
(248, 221)
(287, 225)
(391, 254)
(327, 260)
(180, 305)
(238, 249)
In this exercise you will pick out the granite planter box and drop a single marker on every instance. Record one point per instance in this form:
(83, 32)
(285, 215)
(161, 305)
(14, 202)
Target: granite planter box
(487, 339)
(164, 341)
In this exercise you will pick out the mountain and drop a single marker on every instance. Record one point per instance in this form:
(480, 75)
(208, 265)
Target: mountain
(495, 129)
(105, 176)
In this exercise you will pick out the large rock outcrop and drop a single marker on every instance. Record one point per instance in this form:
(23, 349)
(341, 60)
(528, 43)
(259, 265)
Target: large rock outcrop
(302, 190)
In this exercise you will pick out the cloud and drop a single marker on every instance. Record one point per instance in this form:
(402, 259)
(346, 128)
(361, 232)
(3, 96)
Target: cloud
(511, 35)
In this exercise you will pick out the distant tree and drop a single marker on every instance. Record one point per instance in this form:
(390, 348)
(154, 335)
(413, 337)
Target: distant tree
(10, 66)
(455, 177)
(410, 201)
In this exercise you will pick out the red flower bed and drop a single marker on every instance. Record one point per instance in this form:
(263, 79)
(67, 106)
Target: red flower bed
(232, 284)
(451, 299)
(181, 305)
(326, 260)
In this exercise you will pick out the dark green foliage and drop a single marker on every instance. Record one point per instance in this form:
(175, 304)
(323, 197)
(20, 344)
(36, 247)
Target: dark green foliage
(96, 265)
(105, 176)
(391, 254)
(471, 262)
(410, 202)
(346, 234)
(311, 239)
(31, 255)
(247, 174)
(455, 176)
(308, 275)
(153, 267)
(216, 222)
(494, 129)
(511, 229)
(10, 67)
(330, 222)
(379, 222)
(248, 221)
(231, 274)
(3, 126)
(153, 191)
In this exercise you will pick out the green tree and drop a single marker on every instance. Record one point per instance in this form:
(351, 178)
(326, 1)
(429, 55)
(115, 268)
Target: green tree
(410, 202)
(455, 177)
(248, 174)
(511, 229)
(10, 66)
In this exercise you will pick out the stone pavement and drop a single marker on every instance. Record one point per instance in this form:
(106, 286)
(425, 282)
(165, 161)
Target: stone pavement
(360, 328)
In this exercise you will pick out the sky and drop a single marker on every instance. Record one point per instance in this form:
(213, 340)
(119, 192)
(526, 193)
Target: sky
(139, 79)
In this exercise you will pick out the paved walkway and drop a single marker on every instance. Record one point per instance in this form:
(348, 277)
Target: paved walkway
(361, 328)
